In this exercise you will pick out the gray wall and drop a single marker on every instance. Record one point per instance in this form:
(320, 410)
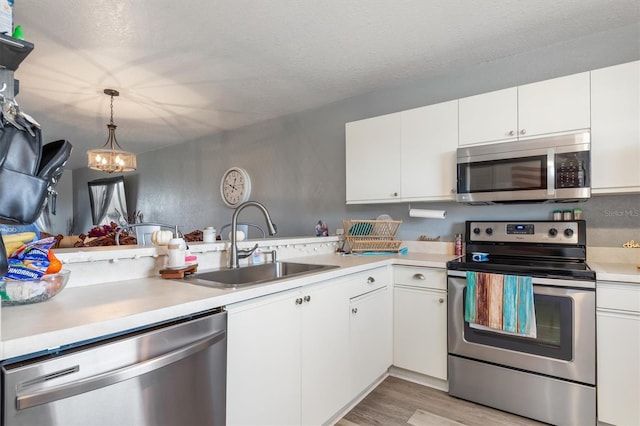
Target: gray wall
(297, 162)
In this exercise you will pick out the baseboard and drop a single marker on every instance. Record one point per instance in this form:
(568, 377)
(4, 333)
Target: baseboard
(343, 412)
(418, 378)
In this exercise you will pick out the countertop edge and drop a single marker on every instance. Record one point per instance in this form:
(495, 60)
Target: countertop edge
(121, 316)
(116, 316)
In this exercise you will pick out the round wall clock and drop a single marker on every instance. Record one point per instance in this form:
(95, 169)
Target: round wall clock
(235, 186)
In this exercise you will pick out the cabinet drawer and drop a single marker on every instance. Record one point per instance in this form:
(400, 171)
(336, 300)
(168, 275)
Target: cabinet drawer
(420, 277)
(367, 281)
(618, 296)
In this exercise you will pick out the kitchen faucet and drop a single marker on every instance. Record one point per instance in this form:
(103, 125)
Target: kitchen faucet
(234, 253)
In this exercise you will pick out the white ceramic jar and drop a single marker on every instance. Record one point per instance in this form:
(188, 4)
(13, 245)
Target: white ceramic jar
(209, 234)
(176, 251)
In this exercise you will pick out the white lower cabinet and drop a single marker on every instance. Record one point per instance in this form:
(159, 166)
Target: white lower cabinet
(291, 355)
(420, 320)
(370, 337)
(618, 348)
(286, 357)
(325, 339)
(263, 362)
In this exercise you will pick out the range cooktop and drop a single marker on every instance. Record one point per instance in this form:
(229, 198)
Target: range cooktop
(547, 249)
(535, 268)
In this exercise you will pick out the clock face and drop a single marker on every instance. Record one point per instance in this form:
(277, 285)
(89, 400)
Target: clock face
(235, 186)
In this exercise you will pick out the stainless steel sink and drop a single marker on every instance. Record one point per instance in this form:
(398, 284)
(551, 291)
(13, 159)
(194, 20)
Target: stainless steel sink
(256, 274)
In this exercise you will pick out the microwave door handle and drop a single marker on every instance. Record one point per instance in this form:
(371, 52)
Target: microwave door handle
(551, 171)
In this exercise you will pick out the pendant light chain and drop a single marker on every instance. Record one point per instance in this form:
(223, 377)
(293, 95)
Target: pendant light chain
(112, 108)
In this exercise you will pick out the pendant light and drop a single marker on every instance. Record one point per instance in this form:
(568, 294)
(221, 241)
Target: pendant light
(111, 157)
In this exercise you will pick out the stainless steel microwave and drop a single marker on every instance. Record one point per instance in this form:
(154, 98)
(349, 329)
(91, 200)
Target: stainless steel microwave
(549, 169)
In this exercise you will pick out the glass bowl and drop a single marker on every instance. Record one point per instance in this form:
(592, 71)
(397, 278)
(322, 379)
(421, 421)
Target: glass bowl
(18, 292)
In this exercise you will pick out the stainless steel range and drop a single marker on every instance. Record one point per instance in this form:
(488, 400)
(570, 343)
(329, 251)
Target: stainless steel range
(550, 377)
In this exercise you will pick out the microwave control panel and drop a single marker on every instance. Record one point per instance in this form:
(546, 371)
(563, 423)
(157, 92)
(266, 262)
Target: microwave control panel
(572, 170)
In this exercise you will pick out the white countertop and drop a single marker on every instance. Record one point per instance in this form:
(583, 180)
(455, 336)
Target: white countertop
(615, 264)
(87, 312)
(619, 272)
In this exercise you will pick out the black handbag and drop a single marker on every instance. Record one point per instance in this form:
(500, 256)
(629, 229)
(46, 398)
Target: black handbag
(28, 173)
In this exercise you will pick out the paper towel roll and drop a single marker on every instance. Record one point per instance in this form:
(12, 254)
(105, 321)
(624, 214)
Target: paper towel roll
(428, 214)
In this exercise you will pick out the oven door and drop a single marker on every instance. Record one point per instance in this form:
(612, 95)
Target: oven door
(565, 321)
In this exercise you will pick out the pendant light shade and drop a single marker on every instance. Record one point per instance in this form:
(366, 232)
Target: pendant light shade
(111, 157)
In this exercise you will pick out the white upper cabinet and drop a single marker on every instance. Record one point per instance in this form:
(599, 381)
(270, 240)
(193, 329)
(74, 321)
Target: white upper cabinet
(489, 117)
(410, 155)
(553, 106)
(428, 152)
(406, 156)
(547, 107)
(373, 159)
(615, 129)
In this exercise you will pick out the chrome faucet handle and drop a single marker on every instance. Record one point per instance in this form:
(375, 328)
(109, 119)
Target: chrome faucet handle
(242, 254)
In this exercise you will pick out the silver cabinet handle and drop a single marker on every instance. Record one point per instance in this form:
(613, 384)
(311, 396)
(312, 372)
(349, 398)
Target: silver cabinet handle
(523, 131)
(371, 280)
(307, 298)
(354, 310)
(419, 277)
(441, 300)
(101, 380)
(512, 133)
(299, 301)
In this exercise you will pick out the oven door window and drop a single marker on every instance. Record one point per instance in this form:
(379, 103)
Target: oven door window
(554, 323)
(515, 174)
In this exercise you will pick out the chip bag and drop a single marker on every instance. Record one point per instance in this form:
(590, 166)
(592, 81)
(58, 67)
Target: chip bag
(30, 262)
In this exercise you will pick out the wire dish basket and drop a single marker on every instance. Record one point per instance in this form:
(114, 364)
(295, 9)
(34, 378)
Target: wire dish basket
(371, 235)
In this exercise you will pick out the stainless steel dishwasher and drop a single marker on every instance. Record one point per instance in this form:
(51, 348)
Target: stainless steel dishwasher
(170, 374)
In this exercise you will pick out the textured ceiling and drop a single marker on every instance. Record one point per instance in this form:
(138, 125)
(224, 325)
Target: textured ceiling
(196, 67)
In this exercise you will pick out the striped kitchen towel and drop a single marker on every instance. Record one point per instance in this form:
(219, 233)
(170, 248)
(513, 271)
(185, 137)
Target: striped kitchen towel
(500, 303)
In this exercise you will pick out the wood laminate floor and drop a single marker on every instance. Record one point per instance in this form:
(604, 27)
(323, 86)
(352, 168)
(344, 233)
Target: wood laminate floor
(399, 402)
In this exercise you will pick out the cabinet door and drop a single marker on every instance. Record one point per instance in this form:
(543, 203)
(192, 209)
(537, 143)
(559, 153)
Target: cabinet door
(263, 362)
(428, 152)
(618, 368)
(373, 159)
(615, 129)
(489, 117)
(371, 339)
(325, 345)
(420, 331)
(556, 105)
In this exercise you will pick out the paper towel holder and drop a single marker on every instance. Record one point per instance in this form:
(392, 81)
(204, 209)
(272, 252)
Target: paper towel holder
(427, 213)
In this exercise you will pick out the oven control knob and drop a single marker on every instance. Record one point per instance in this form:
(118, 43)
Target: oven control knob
(489, 231)
(553, 232)
(568, 232)
(476, 231)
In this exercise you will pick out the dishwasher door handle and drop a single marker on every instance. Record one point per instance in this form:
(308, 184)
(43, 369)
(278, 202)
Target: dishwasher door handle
(32, 399)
